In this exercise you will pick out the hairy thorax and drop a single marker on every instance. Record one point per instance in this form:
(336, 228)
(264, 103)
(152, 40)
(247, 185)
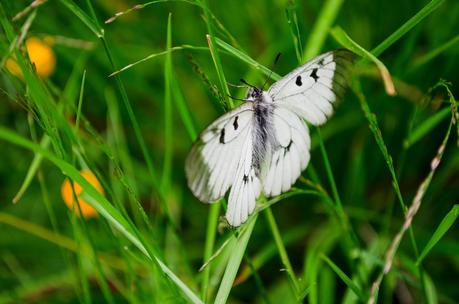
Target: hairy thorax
(264, 140)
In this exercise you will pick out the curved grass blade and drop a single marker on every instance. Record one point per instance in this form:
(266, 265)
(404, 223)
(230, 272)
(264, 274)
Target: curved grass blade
(407, 26)
(342, 37)
(320, 29)
(426, 126)
(246, 58)
(234, 262)
(347, 280)
(444, 226)
(88, 21)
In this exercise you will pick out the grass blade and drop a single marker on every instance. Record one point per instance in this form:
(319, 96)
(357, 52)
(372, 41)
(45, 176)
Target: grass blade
(33, 168)
(167, 161)
(183, 110)
(292, 21)
(215, 54)
(374, 127)
(426, 126)
(88, 21)
(235, 260)
(442, 228)
(407, 26)
(340, 35)
(327, 16)
(435, 52)
(246, 58)
(282, 252)
(212, 223)
(347, 280)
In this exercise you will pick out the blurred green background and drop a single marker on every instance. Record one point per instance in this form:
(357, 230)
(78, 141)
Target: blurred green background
(49, 255)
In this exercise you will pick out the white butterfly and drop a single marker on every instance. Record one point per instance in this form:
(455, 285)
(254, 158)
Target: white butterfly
(263, 145)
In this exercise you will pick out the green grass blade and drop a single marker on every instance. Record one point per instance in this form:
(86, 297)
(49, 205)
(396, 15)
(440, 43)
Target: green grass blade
(327, 16)
(269, 251)
(374, 127)
(282, 252)
(234, 261)
(212, 223)
(88, 21)
(350, 238)
(331, 178)
(407, 26)
(435, 52)
(80, 103)
(431, 292)
(340, 35)
(211, 41)
(168, 150)
(246, 58)
(347, 280)
(34, 166)
(441, 230)
(183, 110)
(426, 126)
(159, 54)
(292, 21)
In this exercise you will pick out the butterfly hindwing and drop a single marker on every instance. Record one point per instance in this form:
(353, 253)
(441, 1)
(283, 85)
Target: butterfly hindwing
(245, 189)
(291, 154)
(311, 89)
(212, 163)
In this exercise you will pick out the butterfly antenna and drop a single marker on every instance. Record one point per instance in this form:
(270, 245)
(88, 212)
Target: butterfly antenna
(236, 85)
(271, 72)
(246, 83)
(235, 98)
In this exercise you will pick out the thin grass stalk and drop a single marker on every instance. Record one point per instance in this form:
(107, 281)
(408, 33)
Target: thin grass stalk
(168, 136)
(282, 252)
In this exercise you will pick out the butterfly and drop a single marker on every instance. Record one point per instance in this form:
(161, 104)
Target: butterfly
(263, 145)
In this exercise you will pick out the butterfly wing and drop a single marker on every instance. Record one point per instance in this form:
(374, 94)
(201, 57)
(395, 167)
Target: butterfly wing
(215, 158)
(290, 156)
(245, 189)
(222, 158)
(311, 89)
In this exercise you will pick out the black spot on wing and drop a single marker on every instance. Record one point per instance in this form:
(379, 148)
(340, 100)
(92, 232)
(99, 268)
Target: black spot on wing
(321, 62)
(298, 81)
(245, 179)
(287, 148)
(235, 125)
(314, 74)
(222, 136)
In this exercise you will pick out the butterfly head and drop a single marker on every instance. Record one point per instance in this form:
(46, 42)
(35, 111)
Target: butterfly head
(254, 94)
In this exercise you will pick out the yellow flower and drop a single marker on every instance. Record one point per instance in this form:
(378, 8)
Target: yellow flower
(40, 54)
(67, 194)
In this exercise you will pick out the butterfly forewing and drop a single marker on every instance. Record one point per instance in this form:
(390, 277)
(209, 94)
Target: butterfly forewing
(311, 89)
(212, 163)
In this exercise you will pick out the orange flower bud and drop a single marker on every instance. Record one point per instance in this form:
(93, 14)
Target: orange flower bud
(40, 54)
(67, 194)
